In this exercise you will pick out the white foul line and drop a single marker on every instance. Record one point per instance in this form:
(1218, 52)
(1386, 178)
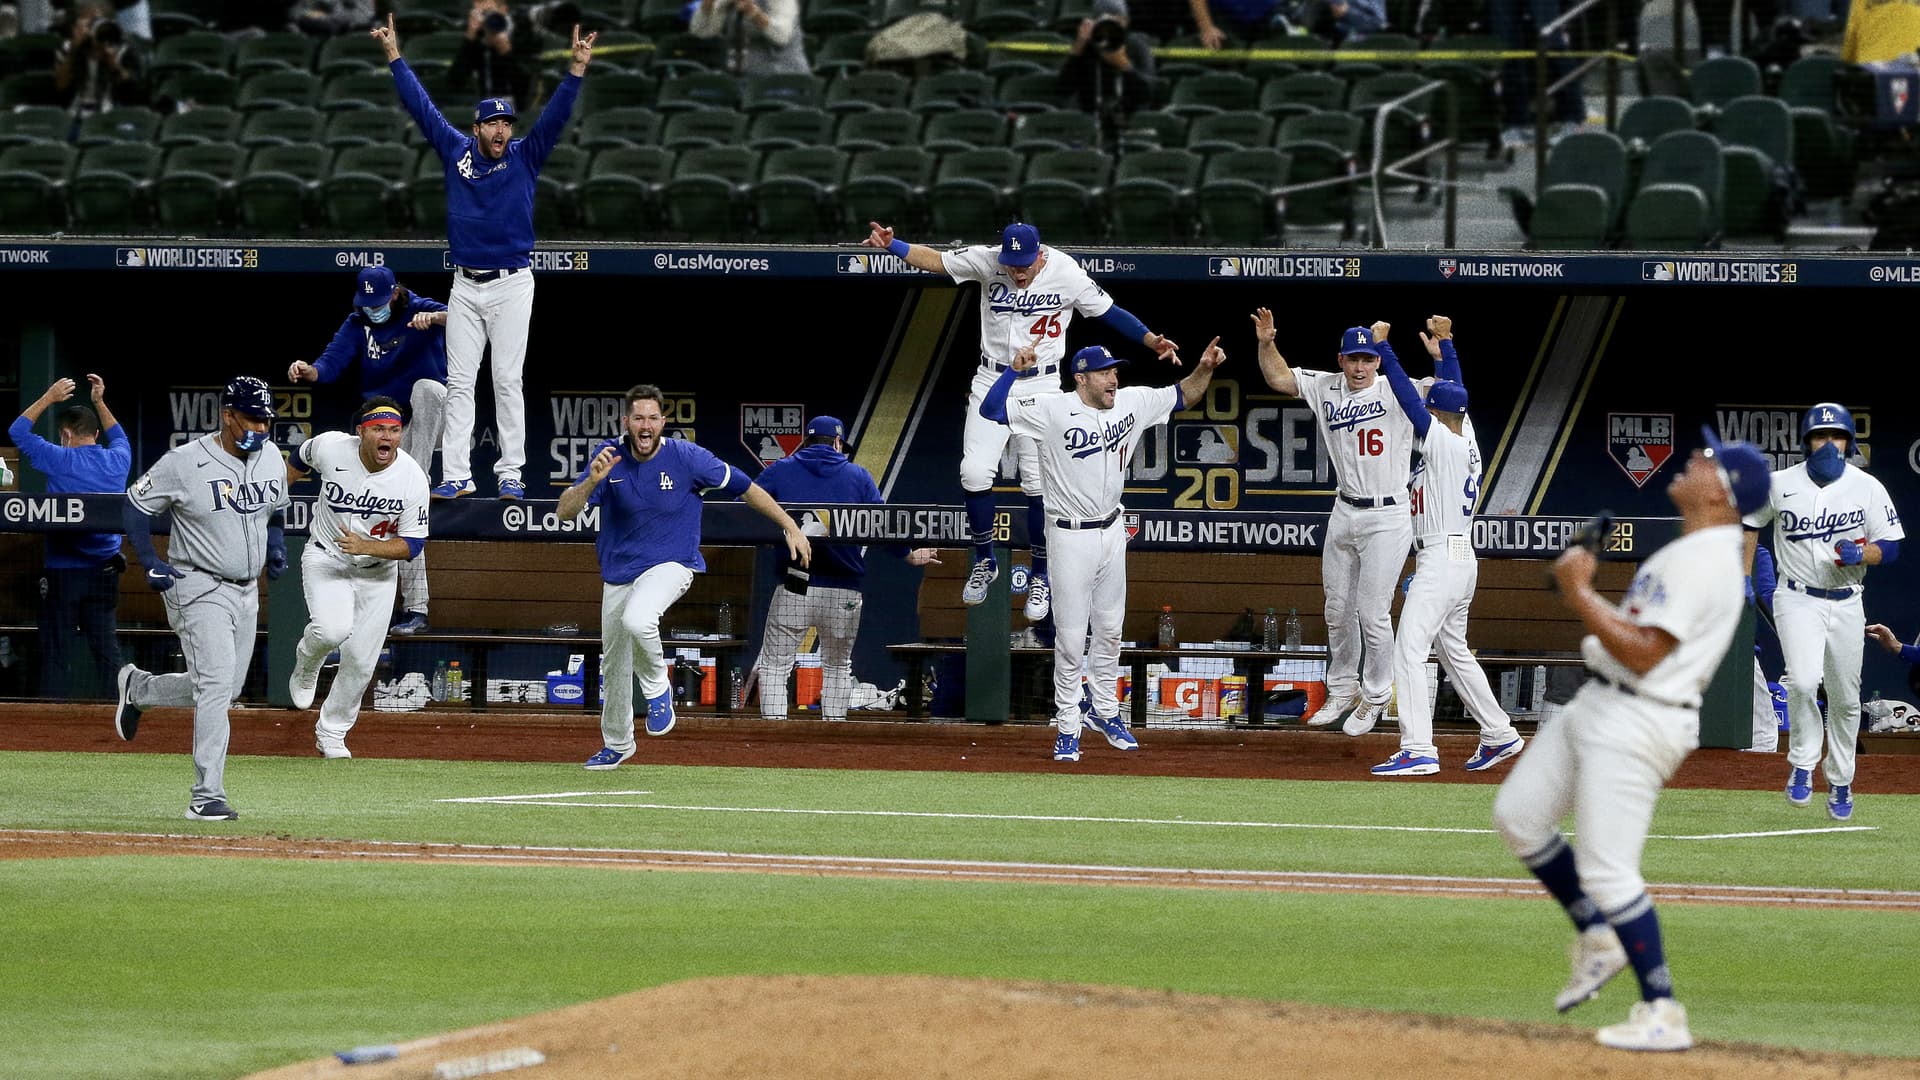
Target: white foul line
(554, 799)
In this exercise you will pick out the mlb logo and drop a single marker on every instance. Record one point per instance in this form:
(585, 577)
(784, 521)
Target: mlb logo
(1132, 521)
(130, 257)
(1639, 443)
(771, 432)
(1206, 444)
(1656, 271)
(1223, 266)
(852, 264)
(1899, 92)
(1447, 267)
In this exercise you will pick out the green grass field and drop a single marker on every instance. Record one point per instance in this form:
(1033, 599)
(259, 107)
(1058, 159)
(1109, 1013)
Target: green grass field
(145, 966)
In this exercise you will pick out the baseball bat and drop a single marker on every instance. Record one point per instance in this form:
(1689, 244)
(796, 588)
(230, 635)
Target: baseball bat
(1592, 536)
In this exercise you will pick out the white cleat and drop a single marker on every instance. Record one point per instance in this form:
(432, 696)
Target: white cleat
(1596, 957)
(301, 685)
(334, 749)
(1330, 711)
(1039, 598)
(1364, 717)
(1660, 1024)
(974, 592)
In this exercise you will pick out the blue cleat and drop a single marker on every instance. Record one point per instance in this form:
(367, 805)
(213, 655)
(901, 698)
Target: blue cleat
(607, 758)
(453, 489)
(1116, 732)
(1066, 747)
(1840, 802)
(1486, 757)
(1407, 763)
(1800, 787)
(513, 490)
(660, 713)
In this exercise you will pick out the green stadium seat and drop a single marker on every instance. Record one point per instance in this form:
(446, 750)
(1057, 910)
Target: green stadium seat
(191, 195)
(352, 54)
(971, 195)
(1808, 82)
(620, 196)
(1343, 131)
(617, 127)
(1153, 129)
(1229, 131)
(427, 193)
(1648, 118)
(998, 17)
(684, 54)
(952, 90)
(1571, 217)
(1320, 146)
(1064, 194)
(620, 90)
(1407, 126)
(1301, 93)
(1476, 90)
(214, 124)
(281, 127)
(34, 123)
(868, 90)
(838, 16)
(1213, 92)
(554, 208)
(286, 51)
(966, 129)
(1714, 82)
(705, 90)
(31, 179)
(1669, 217)
(1238, 198)
(1002, 61)
(125, 124)
(887, 185)
(52, 160)
(173, 17)
(360, 127)
(702, 127)
(1027, 91)
(705, 198)
(108, 192)
(661, 16)
(1171, 70)
(841, 54)
(431, 55)
(784, 128)
(359, 90)
(30, 52)
(198, 51)
(1823, 154)
(1151, 199)
(1756, 145)
(1691, 158)
(1593, 158)
(793, 201)
(28, 88)
(877, 130)
(892, 11)
(770, 93)
(284, 90)
(275, 196)
(362, 193)
(1059, 130)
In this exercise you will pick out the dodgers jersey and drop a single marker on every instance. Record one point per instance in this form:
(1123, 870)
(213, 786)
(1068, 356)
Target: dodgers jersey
(1369, 438)
(1809, 519)
(1446, 483)
(650, 510)
(1036, 315)
(1083, 450)
(383, 505)
(220, 504)
(1692, 589)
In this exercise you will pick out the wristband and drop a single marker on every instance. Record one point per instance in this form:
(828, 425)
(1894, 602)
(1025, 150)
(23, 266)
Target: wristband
(900, 247)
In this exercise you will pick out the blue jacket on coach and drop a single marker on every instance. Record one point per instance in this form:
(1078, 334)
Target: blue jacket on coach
(77, 469)
(392, 356)
(489, 203)
(821, 474)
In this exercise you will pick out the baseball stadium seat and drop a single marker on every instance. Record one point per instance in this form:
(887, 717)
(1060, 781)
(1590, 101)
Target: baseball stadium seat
(352, 54)
(892, 11)
(108, 191)
(34, 123)
(1319, 147)
(886, 185)
(793, 201)
(616, 90)
(996, 17)
(1001, 61)
(705, 197)
(1689, 157)
(1355, 71)
(1151, 197)
(193, 89)
(971, 193)
(1301, 93)
(125, 124)
(1648, 118)
(702, 127)
(1823, 153)
(272, 198)
(620, 196)
(1756, 147)
(1030, 91)
(427, 194)
(701, 90)
(282, 90)
(1221, 132)
(287, 51)
(359, 90)
(555, 208)
(212, 124)
(359, 127)
(841, 54)
(1067, 14)
(1213, 92)
(1238, 198)
(1153, 129)
(363, 191)
(1064, 194)
(868, 90)
(660, 16)
(28, 88)
(631, 126)
(771, 93)
(1571, 217)
(836, 16)
(202, 50)
(1171, 70)
(683, 54)
(281, 127)
(877, 130)
(1716, 81)
(1264, 71)
(1668, 217)
(783, 128)
(1808, 82)
(190, 196)
(1596, 158)
(1476, 92)
(431, 55)
(949, 91)
(31, 176)
(964, 129)
(1061, 129)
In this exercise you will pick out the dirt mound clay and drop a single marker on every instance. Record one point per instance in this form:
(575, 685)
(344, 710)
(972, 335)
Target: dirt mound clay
(815, 1028)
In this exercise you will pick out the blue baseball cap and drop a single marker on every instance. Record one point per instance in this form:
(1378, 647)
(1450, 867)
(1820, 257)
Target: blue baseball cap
(1447, 396)
(1093, 358)
(1748, 474)
(1358, 339)
(1019, 244)
(827, 425)
(373, 288)
(492, 107)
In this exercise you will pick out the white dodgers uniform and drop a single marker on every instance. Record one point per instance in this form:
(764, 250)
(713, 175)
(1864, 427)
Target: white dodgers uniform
(349, 597)
(1444, 488)
(1083, 467)
(1607, 754)
(1370, 441)
(1817, 604)
(1010, 318)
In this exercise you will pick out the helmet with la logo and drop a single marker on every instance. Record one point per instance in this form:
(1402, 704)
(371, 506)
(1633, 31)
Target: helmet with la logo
(1826, 416)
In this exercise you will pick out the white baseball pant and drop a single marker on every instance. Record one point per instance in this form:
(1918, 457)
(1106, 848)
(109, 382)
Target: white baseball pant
(420, 440)
(215, 620)
(1435, 616)
(496, 312)
(1822, 641)
(1360, 567)
(1766, 725)
(836, 614)
(630, 645)
(347, 609)
(1605, 758)
(1089, 575)
(983, 441)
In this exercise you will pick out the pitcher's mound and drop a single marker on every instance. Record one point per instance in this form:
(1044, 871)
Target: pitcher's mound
(827, 1028)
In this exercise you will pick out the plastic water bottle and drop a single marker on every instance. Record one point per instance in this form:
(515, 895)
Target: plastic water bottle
(439, 685)
(456, 682)
(1168, 638)
(1293, 628)
(723, 620)
(1269, 632)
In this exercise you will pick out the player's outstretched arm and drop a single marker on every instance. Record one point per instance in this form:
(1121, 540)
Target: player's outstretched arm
(1438, 338)
(388, 41)
(1273, 366)
(574, 499)
(798, 549)
(1194, 386)
(918, 256)
(1404, 392)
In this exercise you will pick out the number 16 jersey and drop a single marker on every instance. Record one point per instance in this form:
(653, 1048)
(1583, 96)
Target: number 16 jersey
(1368, 435)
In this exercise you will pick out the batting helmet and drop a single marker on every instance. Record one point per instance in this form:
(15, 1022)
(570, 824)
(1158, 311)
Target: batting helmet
(249, 397)
(1827, 416)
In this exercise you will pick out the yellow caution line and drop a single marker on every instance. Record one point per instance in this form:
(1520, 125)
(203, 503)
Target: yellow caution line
(1336, 56)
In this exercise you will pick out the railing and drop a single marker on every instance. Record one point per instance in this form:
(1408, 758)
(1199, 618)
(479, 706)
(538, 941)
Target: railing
(1543, 91)
(1449, 144)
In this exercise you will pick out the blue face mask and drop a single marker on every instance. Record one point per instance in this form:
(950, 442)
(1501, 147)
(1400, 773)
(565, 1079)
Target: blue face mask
(1826, 464)
(250, 440)
(378, 315)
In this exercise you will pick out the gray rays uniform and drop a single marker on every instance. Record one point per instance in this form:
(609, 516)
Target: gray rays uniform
(220, 507)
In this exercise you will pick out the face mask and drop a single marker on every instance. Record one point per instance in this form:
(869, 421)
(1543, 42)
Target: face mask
(377, 315)
(250, 441)
(1826, 464)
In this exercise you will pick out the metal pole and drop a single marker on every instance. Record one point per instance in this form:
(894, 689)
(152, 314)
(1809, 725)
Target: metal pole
(1614, 47)
(1539, 113)
(1452, 190)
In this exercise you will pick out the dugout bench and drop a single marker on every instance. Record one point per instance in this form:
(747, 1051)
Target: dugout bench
(479, 645)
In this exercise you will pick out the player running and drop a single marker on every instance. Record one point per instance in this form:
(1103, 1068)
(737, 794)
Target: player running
(370, 516)
(1028, 295)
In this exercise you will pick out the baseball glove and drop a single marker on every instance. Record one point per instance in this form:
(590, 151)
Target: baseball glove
(1592, 536)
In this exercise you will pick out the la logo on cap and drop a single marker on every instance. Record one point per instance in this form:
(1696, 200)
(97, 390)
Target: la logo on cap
(1013, 243)
(368, 286)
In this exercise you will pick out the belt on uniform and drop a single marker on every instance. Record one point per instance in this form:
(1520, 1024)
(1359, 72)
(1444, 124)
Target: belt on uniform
(1030, 372)
(228, 580)
(1085, 523)
(1366, 504)
(1634, 691)
(1422, 543)
(484, 276)
(1847, 593)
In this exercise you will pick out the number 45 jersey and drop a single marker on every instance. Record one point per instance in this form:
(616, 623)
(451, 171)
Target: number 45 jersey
(1036, 315)
(385, 505)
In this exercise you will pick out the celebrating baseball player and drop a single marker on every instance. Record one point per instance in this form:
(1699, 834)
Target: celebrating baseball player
(399, 340)
(226, 491)
(490, 184)
(1831, 522)
(1606, 756)
(1028, 296)
(1369, 441)
(370, 517)
(826, 597)
(1442, 492)
(1085, 440)
(648, 489)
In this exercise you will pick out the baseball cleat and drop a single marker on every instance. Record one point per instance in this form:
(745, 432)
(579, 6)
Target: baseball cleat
(212, 810)
(1486, 757)
(607, 758)
(1362, 719)
(332, 749)
(301, 685)
(453, 489)
(978, 579)
(1407, 763)
(1660, 1024)
(126, 715)
(1039, 598)
(1840, 802)
(513, 490)
(1116, 732)
(1330, 711)
(1066, 747)
(409, 622)
(1800, 787)
(1595, 957)
(660, 716)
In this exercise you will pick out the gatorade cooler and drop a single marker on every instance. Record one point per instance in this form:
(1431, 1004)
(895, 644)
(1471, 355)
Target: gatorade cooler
(806, 682)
